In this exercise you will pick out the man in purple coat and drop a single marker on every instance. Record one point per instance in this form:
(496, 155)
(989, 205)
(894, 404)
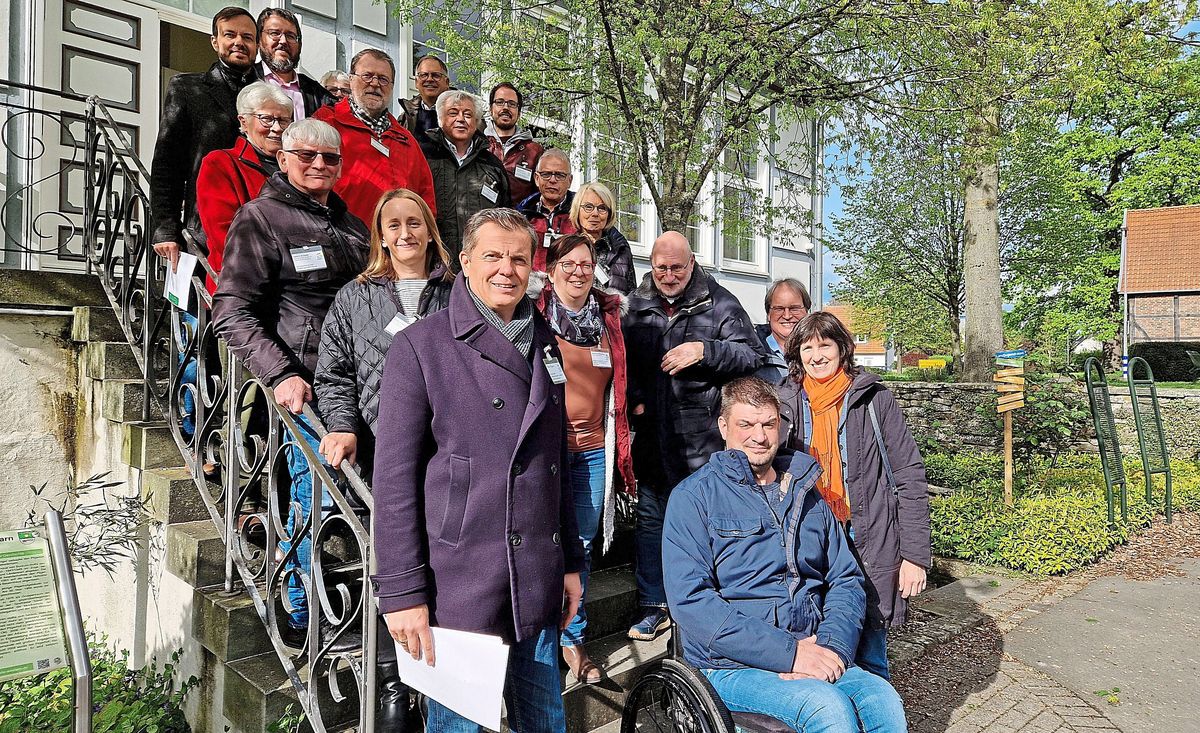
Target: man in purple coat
(474, 525)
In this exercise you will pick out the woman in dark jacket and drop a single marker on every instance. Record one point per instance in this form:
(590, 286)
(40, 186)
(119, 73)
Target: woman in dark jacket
(872, 474)
(593, 212)
(587, 325)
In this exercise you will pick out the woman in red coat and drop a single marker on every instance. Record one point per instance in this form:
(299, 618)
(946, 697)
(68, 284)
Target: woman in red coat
(587, 324)
(230, 178)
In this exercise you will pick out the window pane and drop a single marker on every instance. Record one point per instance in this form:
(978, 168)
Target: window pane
(617, 171)
(546, 42)
(426, 41)
(737, 224)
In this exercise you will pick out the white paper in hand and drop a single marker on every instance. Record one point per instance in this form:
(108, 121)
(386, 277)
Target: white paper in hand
(468, 677)
(177, 287)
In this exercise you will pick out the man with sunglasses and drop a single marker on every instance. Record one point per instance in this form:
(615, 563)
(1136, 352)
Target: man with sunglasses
(279, 44)
(419, 114)
(549, 208)
(380, 153)
(288, 252)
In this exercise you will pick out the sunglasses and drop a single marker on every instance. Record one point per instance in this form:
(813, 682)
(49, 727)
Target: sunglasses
(310, 156)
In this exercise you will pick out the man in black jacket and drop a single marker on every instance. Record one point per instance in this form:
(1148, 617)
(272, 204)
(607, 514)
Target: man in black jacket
(279, 44)
(199, 116)
(685, 337)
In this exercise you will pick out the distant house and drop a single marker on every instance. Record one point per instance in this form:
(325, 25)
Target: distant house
(1160, 275)
(869, 349)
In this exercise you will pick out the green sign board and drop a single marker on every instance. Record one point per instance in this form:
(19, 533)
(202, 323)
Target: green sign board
(31, 631)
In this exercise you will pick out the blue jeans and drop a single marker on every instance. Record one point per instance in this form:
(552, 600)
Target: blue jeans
(187, 401)
(858, 701)
(872, 652)
(587, 484)
(647, 535)
(532, 692)
(301, 493)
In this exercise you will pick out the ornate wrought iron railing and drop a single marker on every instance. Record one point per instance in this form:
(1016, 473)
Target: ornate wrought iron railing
(234, 439)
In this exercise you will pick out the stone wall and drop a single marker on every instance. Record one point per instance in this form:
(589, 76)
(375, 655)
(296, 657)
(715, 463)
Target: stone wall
(948, 416)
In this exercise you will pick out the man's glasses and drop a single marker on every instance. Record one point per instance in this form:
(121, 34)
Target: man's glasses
(275, 35)
(506, 103)
(554, 175)
(589, 208)
(587, 268)
(673, 269)
(370, 78)
(269, 121)
(310, 156)
(430, 75)
(791, 310)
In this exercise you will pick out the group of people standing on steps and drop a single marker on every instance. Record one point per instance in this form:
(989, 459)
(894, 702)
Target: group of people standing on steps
(474, 338)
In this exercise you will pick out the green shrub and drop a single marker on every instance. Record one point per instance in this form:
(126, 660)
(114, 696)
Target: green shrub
(124, 700)
(1169, 361)
(978, 473)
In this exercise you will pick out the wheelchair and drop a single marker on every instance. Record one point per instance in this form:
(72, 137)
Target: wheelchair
(673, 696)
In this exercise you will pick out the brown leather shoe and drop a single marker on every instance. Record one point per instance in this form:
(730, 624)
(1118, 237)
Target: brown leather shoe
(581, 665)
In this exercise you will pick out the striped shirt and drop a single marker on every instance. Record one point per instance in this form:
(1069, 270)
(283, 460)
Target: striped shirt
(519, 330)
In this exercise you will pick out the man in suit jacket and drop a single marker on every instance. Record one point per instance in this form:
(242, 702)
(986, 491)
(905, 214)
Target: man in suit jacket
(199, 116)
(279, 45)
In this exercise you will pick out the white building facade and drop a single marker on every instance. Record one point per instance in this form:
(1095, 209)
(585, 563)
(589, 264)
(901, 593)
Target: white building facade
(125, 52)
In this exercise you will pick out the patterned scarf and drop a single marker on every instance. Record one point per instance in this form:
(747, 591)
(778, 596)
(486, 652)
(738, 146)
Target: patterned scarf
(825, 400)
(582, 328)
(519, 330)
(378, 125)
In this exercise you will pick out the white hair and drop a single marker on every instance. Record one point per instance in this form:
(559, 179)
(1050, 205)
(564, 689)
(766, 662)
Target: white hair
(255, 95)
(556, 154)
(455, 96)
(311, 132)
(334, 75)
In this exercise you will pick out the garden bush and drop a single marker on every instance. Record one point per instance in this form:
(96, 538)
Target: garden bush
(1169, 361)
(1059, 518)
(124, 700)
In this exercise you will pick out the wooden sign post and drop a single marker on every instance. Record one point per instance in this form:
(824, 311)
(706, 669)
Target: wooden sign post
(1010, 388)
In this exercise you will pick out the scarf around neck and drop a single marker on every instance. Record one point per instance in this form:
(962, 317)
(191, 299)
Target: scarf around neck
(378, 125)
(825, 399)
(583, 328)
(519, 331)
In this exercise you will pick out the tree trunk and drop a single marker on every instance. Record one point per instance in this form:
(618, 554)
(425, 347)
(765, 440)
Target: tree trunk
(956, 350)
(981, 251)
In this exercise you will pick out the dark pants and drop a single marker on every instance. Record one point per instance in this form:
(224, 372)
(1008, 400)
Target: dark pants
(651, 507)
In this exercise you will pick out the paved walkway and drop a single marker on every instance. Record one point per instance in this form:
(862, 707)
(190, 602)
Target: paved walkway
(990, 653)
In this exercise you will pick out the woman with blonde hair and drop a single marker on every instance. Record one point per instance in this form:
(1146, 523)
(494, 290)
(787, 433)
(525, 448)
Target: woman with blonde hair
(593, 212)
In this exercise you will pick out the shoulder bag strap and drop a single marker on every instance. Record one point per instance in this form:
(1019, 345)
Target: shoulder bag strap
(883, 455)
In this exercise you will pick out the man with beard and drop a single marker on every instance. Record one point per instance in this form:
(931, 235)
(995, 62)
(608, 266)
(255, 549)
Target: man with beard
(199, 116)
(279, 44)
(514, 147)
(768, 596)
(380, 154)
(420, 115)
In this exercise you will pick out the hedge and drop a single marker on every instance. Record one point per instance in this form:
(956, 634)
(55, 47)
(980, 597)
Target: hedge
(1059, 518)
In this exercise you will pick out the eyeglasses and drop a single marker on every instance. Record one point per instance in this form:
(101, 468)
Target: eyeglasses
(587, 268)
(370, 78)
(269, 121)
(275, 35)
(554, 175)
(427, 75)
(673, 269)
(589, 208)
(310, 156)
(506, 103)
(791, 310)
(342, 91)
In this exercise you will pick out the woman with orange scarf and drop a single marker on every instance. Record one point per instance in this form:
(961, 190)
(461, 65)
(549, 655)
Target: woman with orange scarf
(872, 475)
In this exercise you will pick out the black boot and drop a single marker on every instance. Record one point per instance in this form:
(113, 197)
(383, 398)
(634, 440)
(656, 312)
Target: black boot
(393, 715)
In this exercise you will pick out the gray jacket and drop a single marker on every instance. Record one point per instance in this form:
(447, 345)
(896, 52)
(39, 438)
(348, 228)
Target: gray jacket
(889, 526)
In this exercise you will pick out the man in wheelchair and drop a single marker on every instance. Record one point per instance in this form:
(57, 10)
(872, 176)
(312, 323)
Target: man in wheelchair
(762, 585)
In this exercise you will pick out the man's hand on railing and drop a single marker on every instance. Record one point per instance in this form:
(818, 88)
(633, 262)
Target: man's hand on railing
(410, 629)
(338, 446)
(292, 393)
(169, 250)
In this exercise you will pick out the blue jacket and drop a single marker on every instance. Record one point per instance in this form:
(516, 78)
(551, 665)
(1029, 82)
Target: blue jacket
(742, 589)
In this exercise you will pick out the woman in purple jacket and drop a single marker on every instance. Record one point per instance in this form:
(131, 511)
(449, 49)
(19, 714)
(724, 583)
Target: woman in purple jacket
(873, 475)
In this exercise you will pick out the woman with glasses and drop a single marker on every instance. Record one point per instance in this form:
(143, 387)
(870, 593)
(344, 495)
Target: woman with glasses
(587, 323)
(230, 178)
(872, 475)
(593, 213)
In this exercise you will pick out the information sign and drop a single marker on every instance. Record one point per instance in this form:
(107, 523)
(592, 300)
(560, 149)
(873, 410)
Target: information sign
(31, 632)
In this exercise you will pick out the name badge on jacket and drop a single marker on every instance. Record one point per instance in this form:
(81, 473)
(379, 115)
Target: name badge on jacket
(523, 173)
(381, 147)
(489, 193)
(398, 323)
(602, 360)
(307, 259)
(554, 368)
(601, 274)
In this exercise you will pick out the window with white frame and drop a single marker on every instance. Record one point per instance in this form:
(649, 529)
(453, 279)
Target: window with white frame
(468, 22)
(545, 41)
(739, 194)
(861, 338)
(617, 169)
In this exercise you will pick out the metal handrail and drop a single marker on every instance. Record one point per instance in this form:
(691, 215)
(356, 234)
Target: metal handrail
(1162, 464)
(1106, 436)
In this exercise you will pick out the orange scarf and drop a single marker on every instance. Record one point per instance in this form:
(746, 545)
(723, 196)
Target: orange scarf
(825, 400)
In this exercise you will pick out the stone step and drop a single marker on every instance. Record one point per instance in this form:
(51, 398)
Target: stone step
(121, 401)
(621, 552)
(195, 553)
(110, 360)
(623, 660)
(611, 601)
(95, 323)
(228, 625)
(258, 693)
(148, 445)
(171, 495)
